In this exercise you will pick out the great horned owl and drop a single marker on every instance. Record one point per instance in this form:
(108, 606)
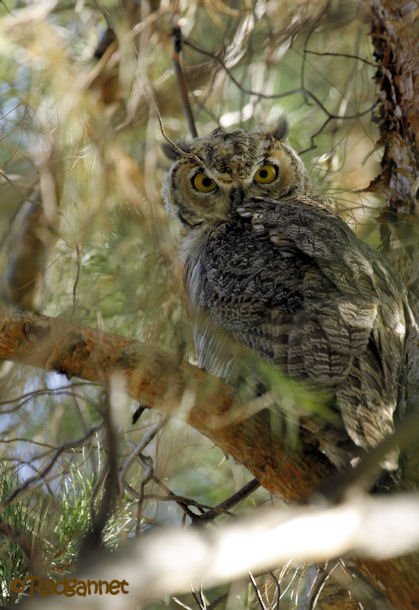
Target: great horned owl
(269, 267)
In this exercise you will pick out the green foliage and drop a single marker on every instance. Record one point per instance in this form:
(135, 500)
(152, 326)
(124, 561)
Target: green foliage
(70, 518)
(20, 517)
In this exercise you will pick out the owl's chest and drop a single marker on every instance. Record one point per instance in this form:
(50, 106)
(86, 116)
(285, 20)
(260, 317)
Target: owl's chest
(230, 266)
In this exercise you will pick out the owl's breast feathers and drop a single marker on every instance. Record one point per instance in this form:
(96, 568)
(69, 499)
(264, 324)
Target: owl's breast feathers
(306, 294)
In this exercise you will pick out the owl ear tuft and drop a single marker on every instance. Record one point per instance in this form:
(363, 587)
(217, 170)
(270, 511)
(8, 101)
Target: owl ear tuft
(174, 151)
(280, 131)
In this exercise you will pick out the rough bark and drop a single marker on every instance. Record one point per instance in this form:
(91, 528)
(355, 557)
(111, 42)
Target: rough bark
(396, 44)
(395, 39)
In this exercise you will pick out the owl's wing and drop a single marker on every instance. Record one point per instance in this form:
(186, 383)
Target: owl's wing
(351, 333)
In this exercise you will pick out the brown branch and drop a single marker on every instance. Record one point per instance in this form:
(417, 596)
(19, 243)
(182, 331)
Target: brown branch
(227, 504)
(394, 36)
(395, 40)
(32, 234)
(348, 55)
(156, 379)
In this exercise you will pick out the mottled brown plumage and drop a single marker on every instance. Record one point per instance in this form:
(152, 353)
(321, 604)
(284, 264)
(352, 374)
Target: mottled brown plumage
(269, 267)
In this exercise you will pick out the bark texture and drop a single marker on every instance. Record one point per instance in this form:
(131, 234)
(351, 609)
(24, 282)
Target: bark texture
(396, 46)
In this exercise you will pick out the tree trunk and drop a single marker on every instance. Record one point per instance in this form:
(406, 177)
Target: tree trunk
(396, 45)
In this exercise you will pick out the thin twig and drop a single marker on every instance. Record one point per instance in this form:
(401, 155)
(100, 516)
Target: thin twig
(276, 96)
(224, 506)
(182, 501)
(347, 55)
(199, 598)
(306, 41)
(136, 452)
(257, 592)
(181, 80)
(318, 584)
(275, 605)
(148, 468)
(69, 445)
(76, 280)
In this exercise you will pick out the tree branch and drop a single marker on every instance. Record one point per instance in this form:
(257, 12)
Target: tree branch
(158, 380)
(173, 560)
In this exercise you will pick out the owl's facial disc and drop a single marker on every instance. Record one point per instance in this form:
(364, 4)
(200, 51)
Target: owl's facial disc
(217, 173)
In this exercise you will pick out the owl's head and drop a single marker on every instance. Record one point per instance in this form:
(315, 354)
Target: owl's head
(212, 175)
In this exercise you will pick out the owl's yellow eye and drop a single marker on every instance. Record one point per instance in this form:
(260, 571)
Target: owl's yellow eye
(203, 183)
(266, 174)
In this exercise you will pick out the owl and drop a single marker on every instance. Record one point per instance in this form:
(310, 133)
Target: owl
(270, 268)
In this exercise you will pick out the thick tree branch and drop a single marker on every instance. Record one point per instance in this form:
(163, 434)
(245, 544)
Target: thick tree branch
(157, 379)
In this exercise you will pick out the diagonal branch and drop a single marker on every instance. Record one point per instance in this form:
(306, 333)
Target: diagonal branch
(157, 379)
(171, 560)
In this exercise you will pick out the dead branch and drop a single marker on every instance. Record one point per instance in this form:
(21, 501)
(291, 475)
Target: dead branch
(40, 476)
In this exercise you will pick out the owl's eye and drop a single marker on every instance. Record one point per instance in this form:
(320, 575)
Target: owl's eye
(266, 174)
(203, 183)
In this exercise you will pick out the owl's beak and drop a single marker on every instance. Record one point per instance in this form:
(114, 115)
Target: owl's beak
(236, 197)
